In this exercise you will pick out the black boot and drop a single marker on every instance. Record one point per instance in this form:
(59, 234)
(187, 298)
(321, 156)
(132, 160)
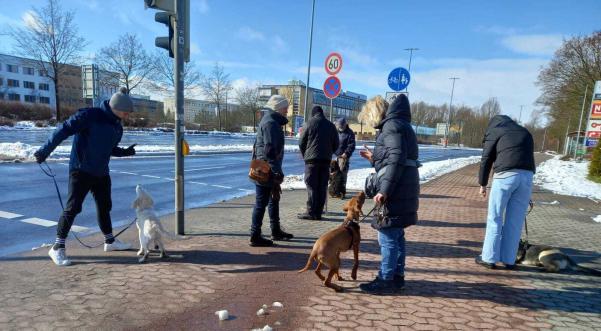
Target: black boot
(307, 216)
(399, 282)
(259, 241)
(281, 235)
(379, 286)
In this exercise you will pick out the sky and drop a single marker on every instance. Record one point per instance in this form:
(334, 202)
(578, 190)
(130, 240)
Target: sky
(496, 48)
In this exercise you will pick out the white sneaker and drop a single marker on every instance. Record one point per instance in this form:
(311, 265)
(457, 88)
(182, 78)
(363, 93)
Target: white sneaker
(59, 257)
(116, 246)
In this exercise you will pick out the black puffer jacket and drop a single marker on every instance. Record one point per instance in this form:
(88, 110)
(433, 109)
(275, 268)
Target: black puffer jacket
(319, 139)
(395, 144)
(508, 145)
(347, 142)
(269, 143)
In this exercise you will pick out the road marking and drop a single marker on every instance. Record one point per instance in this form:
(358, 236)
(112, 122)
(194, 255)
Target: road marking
(5, 214)
(39, 221)
(245, 190)
(151, 176)
(221, 186)
(207, 168)
(79, 229)
(128, 173)
(199, 183)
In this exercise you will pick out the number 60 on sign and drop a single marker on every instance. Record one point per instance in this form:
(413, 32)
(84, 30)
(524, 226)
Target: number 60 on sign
(333, 63)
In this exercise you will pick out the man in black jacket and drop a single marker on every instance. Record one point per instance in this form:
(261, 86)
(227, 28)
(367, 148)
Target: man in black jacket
(345, 150)
(510, 148)
(317, 143)
(269, 146)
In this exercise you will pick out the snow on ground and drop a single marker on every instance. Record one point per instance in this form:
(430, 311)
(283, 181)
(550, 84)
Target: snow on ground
(356, 177)
(23, 151)
(567, 178)
(597, 219)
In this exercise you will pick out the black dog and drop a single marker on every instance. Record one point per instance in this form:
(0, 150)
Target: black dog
(335, 184)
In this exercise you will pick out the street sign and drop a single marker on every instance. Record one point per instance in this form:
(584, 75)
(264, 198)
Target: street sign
(591, 142)
(333, 63)
(332, 87)
(441, 129)
(596, 110)
(390, 96)
(594, 125)
(399, 79)
(594, 134)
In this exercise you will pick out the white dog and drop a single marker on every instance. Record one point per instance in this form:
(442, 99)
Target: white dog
(150, 230)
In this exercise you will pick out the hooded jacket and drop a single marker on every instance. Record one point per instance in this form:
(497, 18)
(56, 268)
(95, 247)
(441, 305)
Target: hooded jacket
(508, 146)
(347, 142)
(269, 143)
(395, 144)
(319, 139)
(97, 132)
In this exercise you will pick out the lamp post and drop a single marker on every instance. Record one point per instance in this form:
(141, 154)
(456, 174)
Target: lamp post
(410, 57)
(580, 124)
(446, 131)
(309, 65)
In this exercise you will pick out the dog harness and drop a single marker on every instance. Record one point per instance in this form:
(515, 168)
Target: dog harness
(350, 231)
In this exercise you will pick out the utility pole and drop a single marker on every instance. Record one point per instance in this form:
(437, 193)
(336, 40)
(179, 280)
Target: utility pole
(580, 124)
(544, 138)
(448, 126)
(306, 115)
(567, 146)
(520, 119)
(225, 123)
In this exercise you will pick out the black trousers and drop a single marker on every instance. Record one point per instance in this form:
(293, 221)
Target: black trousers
(80, 183)
(316, 179)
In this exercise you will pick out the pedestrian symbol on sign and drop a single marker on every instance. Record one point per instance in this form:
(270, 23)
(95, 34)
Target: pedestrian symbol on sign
(399, 79)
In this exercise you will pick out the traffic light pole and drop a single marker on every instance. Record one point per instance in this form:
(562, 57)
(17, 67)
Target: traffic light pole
(179, 117)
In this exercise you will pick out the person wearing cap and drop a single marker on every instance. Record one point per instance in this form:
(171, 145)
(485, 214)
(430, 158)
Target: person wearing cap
(317, 144)
(269, 146)
(96, 134)
(345, 150)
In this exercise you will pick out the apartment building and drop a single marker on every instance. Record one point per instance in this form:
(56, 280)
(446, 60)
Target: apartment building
(21, 81)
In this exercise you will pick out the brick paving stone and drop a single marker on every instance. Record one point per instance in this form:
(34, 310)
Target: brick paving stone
(215, 269)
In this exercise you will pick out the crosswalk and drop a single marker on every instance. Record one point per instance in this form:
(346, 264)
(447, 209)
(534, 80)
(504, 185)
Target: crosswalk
(12, 217)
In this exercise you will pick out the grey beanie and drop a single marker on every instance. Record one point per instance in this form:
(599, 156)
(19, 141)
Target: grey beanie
(121, 101)
(276, 102)
(341, 121)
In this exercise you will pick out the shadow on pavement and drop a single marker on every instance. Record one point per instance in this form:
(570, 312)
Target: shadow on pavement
(444, 224)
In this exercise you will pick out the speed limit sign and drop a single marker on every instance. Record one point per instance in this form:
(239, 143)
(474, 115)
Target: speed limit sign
(333, 63)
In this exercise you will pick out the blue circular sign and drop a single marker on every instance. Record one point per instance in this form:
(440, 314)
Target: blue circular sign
(332, 87)
(399, 79)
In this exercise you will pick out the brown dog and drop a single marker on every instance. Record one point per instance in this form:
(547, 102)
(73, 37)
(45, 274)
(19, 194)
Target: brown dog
(353, 207)
(328, 247)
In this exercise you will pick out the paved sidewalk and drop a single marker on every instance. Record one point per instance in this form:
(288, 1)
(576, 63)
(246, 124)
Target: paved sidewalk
(215, 269)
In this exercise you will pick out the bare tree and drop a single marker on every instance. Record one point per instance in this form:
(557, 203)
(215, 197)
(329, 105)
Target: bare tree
(163, 80)
(215, 87)
(248, 99)
(50, 39)
(490, 108)
(127, 57)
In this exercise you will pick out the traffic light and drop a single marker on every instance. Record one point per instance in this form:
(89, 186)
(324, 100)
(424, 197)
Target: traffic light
(167, 43)
(169, 16)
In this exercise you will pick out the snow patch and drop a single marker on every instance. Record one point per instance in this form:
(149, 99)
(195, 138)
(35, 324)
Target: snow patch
(567, 178)
(356, 177)
(597, 218)
(222, 314)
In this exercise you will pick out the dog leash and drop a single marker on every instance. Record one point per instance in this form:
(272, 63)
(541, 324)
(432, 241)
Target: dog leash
(531, 204)
(377, 206)
(48, 172)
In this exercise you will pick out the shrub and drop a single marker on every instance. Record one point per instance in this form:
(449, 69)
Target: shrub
(24, 112)
(594, 169)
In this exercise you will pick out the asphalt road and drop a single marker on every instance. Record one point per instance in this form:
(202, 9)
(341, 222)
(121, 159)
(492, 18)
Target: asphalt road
(29, 207)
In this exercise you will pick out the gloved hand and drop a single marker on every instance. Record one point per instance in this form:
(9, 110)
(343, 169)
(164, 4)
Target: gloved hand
(278, 178)
(39, 156)
(130, 151)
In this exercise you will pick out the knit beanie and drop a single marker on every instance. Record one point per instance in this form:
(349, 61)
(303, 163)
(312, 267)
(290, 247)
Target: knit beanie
(121, 101)
(315, 110)
(276, 102)
(341, 122)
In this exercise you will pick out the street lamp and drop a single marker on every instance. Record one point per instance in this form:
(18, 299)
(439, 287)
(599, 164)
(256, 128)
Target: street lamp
(446, 131)
(309, 65)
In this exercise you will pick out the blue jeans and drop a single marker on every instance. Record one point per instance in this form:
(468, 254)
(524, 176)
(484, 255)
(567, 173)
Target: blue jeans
(507, 208)
(392, 249)
(263, 201)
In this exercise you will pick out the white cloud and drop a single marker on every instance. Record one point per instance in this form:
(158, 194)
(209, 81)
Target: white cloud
(202, 6)
(534, 44)
(30, 20)
(194, 49)
(278, 44)
(249, 34)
